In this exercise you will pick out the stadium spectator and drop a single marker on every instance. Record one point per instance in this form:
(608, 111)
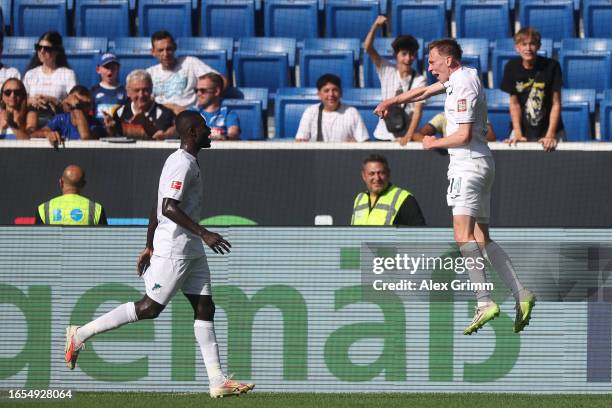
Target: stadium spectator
(437, 126)
(71, 208)
(48, 78)
(534, 84)
(14, 113)
(223, 123)
(141, 117)
(107, 95)
(395, 79)
(77, 123)
(331, 120)
(6, 72)
(384, 203)
(174, 79)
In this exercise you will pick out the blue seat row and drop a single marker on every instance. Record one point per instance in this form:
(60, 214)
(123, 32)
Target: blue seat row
(427, 19)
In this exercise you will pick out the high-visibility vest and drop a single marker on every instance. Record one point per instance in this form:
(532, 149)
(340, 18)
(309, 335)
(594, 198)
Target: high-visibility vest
(384, 212)
(70, 209)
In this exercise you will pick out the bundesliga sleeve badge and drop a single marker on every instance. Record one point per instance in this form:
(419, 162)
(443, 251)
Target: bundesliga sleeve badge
(176, 185)
(461, 105)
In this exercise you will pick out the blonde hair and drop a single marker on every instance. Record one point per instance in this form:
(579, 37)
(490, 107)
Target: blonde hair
(528, 33)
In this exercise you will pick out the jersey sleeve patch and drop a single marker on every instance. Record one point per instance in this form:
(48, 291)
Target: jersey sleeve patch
(461, 105)
(176, 185)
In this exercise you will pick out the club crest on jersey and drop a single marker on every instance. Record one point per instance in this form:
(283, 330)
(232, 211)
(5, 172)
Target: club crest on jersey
(461, 105)
(176, 185)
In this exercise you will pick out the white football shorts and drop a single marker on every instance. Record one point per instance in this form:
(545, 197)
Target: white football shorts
(166, 275)
(469, 186)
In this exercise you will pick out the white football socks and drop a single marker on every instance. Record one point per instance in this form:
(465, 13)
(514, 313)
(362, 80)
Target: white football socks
(471, 250)
(205, 335)
(125, 313)
(503, 265)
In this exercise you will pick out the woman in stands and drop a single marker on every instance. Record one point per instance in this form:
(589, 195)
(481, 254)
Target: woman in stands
(48, 78)
(14, 115)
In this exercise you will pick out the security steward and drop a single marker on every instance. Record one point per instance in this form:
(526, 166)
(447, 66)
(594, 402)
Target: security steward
(71, 208)
(383, 203)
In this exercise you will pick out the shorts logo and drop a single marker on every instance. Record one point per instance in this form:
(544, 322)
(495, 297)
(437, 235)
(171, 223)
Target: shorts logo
(156, 288)
(461, 105)
(176, 185)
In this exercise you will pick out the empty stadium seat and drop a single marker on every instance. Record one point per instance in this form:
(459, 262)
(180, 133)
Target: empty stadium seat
(576, 107)
(422, 18)
(552, 18)
(586, 69)
(220, 18)
(134, 53)
(605, 115)
(82, 55)
(587, 44)
(488, 19)
(432, 107)
(85, 44)
(291, 18)
(350, 19)
(365, 101)
(264, 62)
(34, 17)
(498, 107)
(325, 55)
(6, 7)
(597, 15)
(213, 51)
(251, 105)
(290, 104)
(102, 17)
(384, 49)
(170, 15)
(18, 51)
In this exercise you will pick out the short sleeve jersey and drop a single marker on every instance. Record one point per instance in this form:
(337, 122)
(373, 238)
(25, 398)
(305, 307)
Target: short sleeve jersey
(343, 125)
(180, 180)
(391, 83)
(465, 103)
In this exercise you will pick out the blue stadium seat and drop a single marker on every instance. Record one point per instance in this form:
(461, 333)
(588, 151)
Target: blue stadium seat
(432, 107)
(264, 62)
(85, 44)
(586, 69)
(587, 45)
(7, 10)
(170, 15)
(422, 18)
(576, 107)
(597, 15)
(477, 47)
(383, 47)
(605, 115)
(250, 114)
(503, 51)
(18, 51)
(34, 17)
(488, 19)
(498, 107)
(213, 51)
(290, 104)
(253, 94)
(220, 18)
(365, 101)
(102, 17)
(350, 19)
(291, 18)
(82, 55)
(325, 55)
(552, 18)
(134, 53)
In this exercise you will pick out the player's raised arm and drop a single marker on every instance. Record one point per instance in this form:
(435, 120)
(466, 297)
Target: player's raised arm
(368, 44)
(173, 212)
(414, 95)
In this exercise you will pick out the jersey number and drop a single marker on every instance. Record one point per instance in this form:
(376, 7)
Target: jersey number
(454, 186)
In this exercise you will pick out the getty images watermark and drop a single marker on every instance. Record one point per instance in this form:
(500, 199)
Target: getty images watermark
(407, 265)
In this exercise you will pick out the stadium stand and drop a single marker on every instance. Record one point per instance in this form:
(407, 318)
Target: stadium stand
(349, 19)
(289, 106)
(170, 15)
(319, 54)
(81, 53)
(220, 18)
(577, 106)
(422, 18)
(280, 17)
(552, 18)
(605, 115)
(489, 19)
(216, 52)
(498, 106)
(101, 17)
(364, 100)
(133, 53)
(251, 105)
(34, 17)
(597, 15)
(586, 69)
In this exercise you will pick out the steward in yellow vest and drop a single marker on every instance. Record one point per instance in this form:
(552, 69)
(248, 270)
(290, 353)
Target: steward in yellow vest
(384, 203)
(71, 208)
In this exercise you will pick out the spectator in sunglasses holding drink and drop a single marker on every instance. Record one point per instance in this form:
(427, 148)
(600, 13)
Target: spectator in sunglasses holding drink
(14, 114)
(48, 78)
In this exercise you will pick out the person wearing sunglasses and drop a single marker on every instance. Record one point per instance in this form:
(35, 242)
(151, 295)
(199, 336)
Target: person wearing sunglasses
(6, 72)
(14, 114)
(48, 78)
(223, 123)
